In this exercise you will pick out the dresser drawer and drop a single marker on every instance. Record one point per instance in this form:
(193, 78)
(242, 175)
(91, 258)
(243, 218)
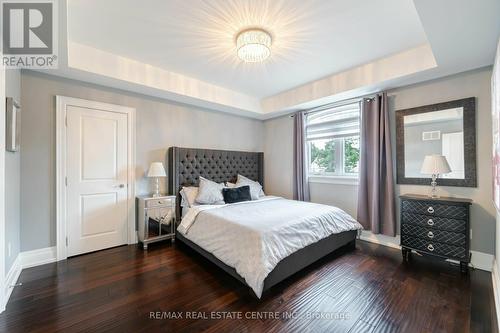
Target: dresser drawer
(159, 202)
(435, 209)
(434, 222)
(437, 248)
(452, 238)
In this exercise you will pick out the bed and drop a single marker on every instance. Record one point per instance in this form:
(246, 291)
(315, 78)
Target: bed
(186, 165)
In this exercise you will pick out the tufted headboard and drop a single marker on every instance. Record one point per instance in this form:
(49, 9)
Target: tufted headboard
(186, 165)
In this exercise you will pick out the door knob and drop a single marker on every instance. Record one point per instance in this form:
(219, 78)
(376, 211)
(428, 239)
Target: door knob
(120, 186)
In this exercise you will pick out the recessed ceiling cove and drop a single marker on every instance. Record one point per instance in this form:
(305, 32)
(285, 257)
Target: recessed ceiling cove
(308, 53)
(310, 39)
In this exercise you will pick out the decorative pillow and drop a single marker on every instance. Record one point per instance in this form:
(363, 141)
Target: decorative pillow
(255, 188)
(230, 185)
(209, 192)
(188, 195)
(236, 194)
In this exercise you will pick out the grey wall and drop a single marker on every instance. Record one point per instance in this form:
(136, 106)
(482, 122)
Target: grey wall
(159, 125)
(12, 180)
(278, 152)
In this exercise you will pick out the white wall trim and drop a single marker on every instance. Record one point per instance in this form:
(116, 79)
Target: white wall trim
(11, 278)
(37, 257)
(496, 288)
(62, 103)
(338, 180)
(24, 260)
(479, 260)
(2, 188)
(381, 239)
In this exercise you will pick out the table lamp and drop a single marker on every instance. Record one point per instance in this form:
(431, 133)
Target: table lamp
(435, 165)
(156, 170)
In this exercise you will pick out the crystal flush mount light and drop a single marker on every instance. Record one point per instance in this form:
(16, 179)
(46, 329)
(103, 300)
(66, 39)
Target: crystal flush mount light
(253, 45)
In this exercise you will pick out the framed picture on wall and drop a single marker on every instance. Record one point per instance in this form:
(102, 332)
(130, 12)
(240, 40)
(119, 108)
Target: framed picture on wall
(495, 108)
(13, 110)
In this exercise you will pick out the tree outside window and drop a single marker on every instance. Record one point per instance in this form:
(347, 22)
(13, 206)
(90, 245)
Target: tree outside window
(332, 137)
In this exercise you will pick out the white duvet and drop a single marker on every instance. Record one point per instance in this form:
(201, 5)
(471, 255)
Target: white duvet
(254, 236)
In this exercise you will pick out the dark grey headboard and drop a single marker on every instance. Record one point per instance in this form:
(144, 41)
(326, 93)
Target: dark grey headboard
(186, 165)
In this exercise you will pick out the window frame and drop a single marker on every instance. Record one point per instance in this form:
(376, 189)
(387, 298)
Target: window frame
(341, 178)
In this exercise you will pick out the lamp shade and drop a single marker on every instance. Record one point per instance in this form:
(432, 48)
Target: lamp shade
(435, 165)
(157, 170)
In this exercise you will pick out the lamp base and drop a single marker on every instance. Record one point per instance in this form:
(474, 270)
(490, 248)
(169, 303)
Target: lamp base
(157, 194)
(433, 185)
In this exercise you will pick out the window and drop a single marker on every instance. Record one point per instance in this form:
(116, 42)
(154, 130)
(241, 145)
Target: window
(333, 141)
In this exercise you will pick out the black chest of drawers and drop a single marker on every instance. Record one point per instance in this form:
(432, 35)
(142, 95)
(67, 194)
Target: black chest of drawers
(436, 226)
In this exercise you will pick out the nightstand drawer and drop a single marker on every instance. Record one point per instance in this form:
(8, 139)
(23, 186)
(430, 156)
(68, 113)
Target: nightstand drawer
(434, 222)
(159, 202)
(435, 209)
(452, 238)
(436, 248)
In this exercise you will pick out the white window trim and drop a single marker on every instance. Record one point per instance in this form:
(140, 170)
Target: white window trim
(336, 180)
(340, 177)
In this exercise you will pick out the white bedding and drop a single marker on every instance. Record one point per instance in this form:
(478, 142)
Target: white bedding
(254, 236)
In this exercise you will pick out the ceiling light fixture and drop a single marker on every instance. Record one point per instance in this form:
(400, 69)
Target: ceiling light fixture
(253, 45)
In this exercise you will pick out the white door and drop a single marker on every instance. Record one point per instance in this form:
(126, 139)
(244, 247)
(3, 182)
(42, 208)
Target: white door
(453, 150)
(97, 172)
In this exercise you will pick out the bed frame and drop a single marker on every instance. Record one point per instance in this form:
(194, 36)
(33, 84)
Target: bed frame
(186, 165)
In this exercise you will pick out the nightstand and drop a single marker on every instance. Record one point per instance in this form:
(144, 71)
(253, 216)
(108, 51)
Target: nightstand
(155, 219)
(437, 227)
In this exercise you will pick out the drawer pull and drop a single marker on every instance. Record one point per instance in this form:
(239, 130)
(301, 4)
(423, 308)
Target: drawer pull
(430, 222)
(430, 247)
(430, 210)
(430, 234)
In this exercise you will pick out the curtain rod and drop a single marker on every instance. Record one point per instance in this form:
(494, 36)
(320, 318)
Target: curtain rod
(338, 103)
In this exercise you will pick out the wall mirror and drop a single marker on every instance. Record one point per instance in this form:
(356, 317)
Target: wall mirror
(447, 129)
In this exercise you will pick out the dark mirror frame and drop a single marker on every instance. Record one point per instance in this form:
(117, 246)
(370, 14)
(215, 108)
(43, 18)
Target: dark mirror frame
(469, 119)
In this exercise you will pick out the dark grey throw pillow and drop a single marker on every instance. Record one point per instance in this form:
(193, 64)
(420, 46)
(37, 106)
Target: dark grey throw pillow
(236, 194)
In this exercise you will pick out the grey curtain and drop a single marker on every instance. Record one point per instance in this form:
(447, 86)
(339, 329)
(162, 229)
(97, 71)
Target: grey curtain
(300, 184)
(376, 201)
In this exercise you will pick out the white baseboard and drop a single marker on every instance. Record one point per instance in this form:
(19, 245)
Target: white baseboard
(11, 278)
(381, 239)
(38, 257)
(24, 260)
(479, 260)
(496, 288)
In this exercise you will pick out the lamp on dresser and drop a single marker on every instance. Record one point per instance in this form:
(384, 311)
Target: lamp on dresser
(435, 165)
(436, 226)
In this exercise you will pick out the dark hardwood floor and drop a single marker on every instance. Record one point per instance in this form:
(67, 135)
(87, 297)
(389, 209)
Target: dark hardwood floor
(125, 289)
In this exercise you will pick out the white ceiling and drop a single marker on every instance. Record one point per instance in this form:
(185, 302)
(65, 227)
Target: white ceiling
(311, 39)
(323, 50)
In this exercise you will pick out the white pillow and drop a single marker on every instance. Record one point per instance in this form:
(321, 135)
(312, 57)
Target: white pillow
(255, 188)
(209, 192)
(230, 185)
(188, 195)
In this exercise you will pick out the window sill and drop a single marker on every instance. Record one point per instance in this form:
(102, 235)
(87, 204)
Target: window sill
(338, 180)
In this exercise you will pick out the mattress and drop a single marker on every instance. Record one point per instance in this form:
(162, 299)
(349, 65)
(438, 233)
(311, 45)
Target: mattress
(254, 236)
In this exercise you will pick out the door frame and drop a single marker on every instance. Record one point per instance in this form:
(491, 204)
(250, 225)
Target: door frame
(62, 102)
(3, 236)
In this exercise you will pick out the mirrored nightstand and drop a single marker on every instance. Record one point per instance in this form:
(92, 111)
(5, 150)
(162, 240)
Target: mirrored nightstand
(155, 219)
